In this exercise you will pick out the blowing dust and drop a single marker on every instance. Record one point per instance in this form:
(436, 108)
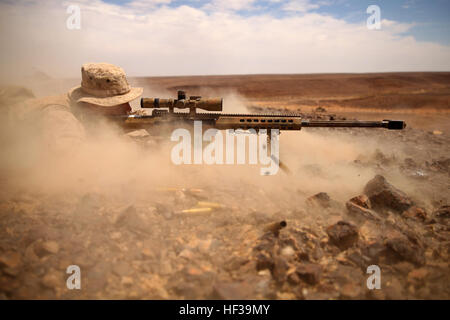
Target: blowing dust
(140, 226)
(113, 164)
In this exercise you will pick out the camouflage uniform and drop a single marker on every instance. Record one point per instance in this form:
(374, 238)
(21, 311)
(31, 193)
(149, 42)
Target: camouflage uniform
(59, 122)
(57, 125)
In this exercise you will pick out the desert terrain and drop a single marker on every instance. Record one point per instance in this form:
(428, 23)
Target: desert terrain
(140, 227)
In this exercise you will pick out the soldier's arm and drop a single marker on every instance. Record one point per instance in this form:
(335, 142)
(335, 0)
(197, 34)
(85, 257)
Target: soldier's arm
(61, 132)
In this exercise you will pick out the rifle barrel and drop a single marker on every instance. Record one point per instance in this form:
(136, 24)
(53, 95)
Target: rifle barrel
(253, 121)
(389, 124)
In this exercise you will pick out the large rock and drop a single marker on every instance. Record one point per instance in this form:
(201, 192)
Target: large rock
(322, 200)
(384, 195)
(406, 250)
(309, 273)
(342, 234)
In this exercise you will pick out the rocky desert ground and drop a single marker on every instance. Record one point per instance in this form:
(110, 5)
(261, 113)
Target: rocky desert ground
(140, 227)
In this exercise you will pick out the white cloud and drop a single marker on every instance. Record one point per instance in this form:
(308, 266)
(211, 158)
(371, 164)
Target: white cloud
(395, 27)
(146, 4)
(300, 5)
(185, 40)
(233, 5)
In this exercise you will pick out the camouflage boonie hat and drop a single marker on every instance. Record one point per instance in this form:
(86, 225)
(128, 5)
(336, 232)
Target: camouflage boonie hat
(103, 84)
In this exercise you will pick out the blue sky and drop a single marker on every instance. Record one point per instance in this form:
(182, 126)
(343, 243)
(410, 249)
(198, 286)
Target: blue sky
(430, 17)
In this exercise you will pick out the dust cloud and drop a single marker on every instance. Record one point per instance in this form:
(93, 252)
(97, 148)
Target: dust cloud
(111, 163)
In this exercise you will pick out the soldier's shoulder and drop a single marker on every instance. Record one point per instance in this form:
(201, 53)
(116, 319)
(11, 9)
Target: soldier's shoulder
(60, 101)
(36, 106)
(12, 94)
